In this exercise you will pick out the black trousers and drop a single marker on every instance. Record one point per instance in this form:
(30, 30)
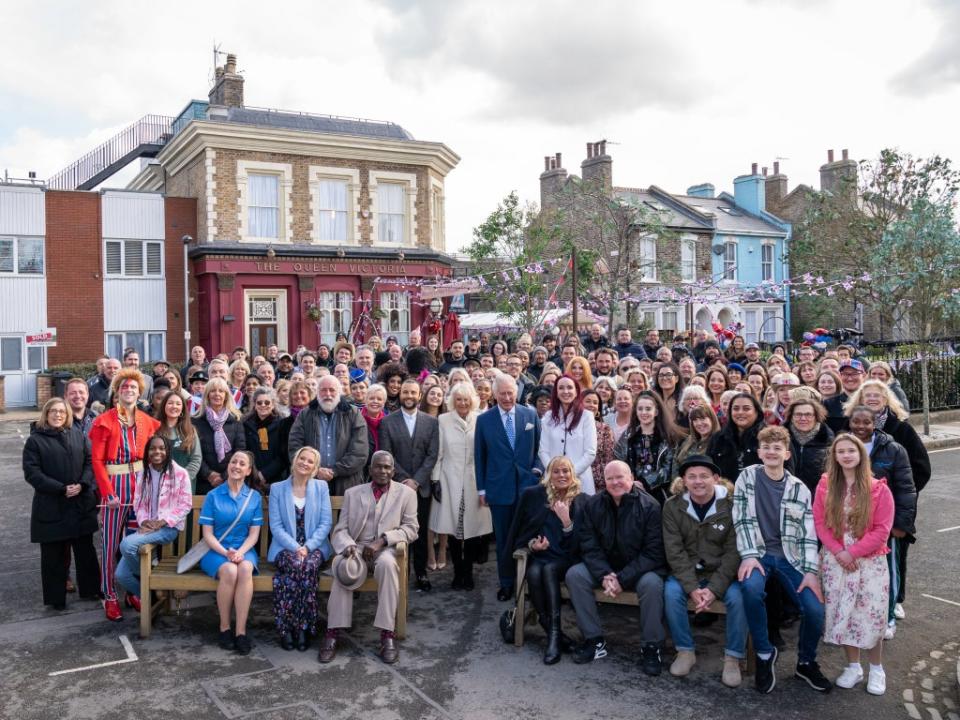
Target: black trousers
(543, 580)
(463, 554)
(420, 544)
(53, 570)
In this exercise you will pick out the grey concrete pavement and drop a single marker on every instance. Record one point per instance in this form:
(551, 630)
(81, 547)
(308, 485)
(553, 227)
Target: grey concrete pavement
(453, 665)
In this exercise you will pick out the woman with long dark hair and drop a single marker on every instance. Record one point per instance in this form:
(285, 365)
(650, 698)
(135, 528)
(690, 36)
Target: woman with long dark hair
(649, 444)
(605, 442)
(162, 500)
(669, 386)
(176, 426)
(735, 447)
(569, 431)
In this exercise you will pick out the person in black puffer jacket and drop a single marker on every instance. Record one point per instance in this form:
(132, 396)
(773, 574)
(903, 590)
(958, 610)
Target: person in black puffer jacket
(810, 439)
(265, 433)
(735, 446)
(56, 462)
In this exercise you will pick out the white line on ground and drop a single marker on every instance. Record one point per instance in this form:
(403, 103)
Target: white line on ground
(934, 597)
(940, 450)
(131, 657)
(955, 527)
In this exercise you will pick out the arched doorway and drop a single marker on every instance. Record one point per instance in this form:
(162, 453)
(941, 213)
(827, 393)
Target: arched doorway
(703, 319)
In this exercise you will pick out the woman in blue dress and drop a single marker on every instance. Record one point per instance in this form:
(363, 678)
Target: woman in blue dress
(234, 561)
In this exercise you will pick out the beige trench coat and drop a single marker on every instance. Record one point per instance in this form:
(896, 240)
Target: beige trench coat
(457, 477)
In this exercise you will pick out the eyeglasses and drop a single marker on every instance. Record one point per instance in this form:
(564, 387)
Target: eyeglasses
(666, 376)
(806, 415)
(56, 411)
(264, 403)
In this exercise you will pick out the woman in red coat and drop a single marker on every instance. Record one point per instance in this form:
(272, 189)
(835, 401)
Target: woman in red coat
(118, 441)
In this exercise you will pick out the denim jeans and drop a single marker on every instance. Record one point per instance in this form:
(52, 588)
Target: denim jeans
(811, 609)
(128, 569)
(675, 608)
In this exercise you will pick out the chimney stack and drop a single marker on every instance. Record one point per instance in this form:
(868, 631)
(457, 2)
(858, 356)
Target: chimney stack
(776, 167)
(839, 176)
(776, 189)
(227, 90)
(598, 167)
(552, 180)
(829, 156)
(753, 168)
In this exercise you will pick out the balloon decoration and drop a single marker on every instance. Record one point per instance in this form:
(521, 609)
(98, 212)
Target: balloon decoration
(818, 338)
(726, 334)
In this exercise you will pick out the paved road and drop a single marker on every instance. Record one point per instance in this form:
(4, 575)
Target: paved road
(452, 666)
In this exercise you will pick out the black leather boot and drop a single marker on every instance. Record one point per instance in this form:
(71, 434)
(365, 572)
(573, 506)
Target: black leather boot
(551, 656)
(551, 600)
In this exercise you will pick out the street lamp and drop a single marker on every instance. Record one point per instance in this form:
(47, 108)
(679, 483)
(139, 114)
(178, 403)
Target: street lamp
(186, 296)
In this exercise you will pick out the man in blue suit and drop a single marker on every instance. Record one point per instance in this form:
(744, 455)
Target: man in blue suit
(506, 444)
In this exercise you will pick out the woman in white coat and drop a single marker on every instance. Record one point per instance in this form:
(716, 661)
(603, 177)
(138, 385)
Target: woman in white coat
(568, 430)
(456, 509)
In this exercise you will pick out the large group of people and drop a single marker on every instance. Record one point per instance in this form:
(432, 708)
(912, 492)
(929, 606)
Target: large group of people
(693, 475)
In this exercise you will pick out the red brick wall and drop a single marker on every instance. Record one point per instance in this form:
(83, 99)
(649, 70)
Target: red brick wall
(74, 276)
(180, 218)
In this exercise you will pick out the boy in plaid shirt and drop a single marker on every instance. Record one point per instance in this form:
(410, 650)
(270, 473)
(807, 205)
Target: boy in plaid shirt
(773, 519)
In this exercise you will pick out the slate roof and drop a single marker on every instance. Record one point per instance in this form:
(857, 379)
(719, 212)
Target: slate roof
(670, 215)
(730, 219)
(318, 123)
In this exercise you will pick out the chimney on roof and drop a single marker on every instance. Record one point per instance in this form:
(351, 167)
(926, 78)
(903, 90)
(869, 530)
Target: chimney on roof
(749, 191)
(703, 190)
(552, 180)
(840, 175)
(598, 167)
(753, 168)
(776, 189)
(227, 87)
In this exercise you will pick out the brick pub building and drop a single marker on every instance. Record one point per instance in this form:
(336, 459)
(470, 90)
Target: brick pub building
(300, 226)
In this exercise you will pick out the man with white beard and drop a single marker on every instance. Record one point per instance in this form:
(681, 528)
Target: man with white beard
(338, 431)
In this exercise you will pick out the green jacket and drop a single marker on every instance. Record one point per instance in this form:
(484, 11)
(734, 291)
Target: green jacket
(712, 543)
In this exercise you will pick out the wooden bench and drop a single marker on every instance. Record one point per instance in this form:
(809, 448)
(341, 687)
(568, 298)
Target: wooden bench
(624, 598)
(163, 575)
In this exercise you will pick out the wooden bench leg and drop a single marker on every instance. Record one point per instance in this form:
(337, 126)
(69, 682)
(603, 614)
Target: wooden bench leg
(401, 623)
(146, 597)
(521, 614)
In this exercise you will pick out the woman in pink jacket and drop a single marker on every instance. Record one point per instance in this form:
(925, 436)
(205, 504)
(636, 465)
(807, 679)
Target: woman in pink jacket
(161, 501)
(853, 514)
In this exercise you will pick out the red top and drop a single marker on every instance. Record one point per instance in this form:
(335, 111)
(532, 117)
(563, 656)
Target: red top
(105, 438)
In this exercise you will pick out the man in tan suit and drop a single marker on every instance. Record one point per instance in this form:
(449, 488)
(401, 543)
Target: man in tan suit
(375, 517)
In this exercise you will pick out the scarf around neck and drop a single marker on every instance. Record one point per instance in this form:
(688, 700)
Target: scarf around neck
(803, 438)
(220, 441)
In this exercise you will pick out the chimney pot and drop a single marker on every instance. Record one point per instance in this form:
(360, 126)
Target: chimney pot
(764, 171)
(829, 156)
(603, 147)
(753, 168)
(559, 161)
(776, 167)
(231, 63)
(846, 154)
(589, 150)
(546, 162)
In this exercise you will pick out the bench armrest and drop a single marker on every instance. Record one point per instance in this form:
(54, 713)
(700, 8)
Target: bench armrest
(400, 550)
(147, 548)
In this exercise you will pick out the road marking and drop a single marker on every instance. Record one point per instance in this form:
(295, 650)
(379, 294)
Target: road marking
(934, 597)
(940, 450)
(955, 527)
(131, 657)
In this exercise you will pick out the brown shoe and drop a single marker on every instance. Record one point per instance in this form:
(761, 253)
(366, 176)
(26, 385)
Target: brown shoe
(389, 652)
(328, 649)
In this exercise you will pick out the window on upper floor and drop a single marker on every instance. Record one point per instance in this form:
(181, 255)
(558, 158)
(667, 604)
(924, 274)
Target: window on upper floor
(647, 247)
(263, 208)
(333, 202)
(688, 260)
(730, 261)
(391, 203)
(21, 256)
(149, 345)
(133, 258)
(766, 261)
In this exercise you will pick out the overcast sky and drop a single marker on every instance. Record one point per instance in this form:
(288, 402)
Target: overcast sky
(684, 92)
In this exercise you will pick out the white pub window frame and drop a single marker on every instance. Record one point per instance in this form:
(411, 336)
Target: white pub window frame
(346, 214)
(284, 210)
(408, 197)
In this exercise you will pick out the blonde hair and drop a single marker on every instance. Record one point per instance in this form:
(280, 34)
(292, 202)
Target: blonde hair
(42, 423)
(228, 403)
(575, 488)
(892, 402)
(462, 389)
(860, 513)
(298, 453)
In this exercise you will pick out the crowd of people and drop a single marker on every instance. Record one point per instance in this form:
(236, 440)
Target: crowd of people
(783, 487)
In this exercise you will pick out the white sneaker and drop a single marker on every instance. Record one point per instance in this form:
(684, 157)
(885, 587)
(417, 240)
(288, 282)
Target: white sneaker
(850, 677)
(898, 612)
(877, 681)
(891, 630)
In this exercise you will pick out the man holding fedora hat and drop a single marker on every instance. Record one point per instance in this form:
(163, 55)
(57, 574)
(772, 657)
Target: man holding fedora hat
(701, 549)
(375, 517)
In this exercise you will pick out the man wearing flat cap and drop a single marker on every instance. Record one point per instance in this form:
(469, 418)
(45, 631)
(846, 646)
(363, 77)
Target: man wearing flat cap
(701, 549)
(375, 517)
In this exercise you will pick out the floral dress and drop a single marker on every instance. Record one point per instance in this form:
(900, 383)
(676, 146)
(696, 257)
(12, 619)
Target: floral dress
(605, 443)
(856, 602)
(295, 585)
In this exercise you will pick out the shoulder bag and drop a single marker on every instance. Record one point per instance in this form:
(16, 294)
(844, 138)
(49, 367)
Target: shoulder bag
(200, 548)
